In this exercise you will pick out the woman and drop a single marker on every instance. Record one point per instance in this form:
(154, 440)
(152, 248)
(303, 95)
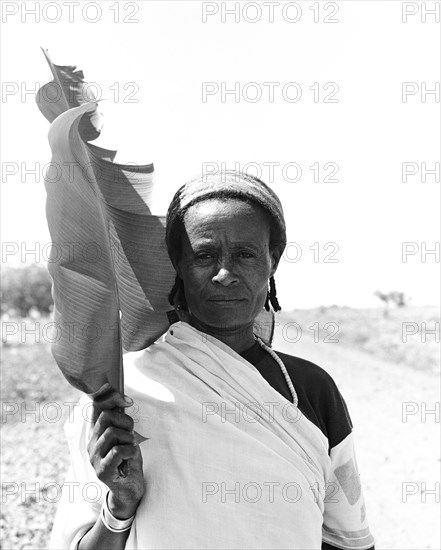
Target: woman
(228, 445)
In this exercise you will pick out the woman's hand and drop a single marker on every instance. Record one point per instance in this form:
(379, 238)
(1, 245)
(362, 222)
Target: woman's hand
(112, 441)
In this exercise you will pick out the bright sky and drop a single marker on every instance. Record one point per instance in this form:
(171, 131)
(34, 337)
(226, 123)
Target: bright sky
(163, 61)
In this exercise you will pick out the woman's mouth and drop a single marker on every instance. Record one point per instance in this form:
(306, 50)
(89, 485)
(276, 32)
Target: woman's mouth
(226, 300)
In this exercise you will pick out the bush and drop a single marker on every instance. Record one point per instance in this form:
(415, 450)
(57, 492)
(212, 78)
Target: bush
(24, 289)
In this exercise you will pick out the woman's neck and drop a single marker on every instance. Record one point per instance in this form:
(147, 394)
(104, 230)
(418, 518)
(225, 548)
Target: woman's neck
(238, 338)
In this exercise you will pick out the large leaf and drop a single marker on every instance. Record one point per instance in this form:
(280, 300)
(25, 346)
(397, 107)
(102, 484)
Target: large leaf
(68, 89)
(110, 269)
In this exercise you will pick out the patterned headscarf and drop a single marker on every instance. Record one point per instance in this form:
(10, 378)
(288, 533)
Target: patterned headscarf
(224, 185)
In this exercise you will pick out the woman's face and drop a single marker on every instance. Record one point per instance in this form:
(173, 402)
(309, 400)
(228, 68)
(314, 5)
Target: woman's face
(226, 262)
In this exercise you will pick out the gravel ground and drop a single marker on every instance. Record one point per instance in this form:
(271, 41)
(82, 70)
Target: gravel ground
(369, 368)
(34, 450)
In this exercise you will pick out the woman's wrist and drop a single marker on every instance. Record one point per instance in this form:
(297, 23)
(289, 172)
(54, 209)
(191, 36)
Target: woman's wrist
(121, 510)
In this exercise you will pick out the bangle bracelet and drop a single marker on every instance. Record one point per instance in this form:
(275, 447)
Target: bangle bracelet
(111, 522)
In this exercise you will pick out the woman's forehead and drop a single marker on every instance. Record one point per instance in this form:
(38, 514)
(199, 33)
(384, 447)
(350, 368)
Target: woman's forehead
(232, 218)
(219, 210)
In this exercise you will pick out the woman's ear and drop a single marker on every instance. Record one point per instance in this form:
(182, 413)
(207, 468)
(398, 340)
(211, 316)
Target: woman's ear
(177, 296)
(175, 260)
(275, 259)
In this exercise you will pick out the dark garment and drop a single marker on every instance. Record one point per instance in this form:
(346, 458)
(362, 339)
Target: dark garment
(319, 398)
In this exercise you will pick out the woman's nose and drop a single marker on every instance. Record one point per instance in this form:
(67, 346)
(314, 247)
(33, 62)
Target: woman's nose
(225, 276)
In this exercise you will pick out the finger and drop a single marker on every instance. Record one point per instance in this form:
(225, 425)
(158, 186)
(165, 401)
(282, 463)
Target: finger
(111, 399)
(111, 437)
(117, 454)
(110, 418)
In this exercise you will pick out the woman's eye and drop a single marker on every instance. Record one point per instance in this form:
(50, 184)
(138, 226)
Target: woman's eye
(204, 256)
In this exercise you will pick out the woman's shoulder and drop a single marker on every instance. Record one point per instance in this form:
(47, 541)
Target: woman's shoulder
(319, 397)
(307, 371)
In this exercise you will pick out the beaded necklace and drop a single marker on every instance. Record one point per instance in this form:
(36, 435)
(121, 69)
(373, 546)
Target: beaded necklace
(282, 367)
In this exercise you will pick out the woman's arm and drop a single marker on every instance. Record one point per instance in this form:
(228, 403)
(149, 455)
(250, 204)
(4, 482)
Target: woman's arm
(111, 442)
(99, 536)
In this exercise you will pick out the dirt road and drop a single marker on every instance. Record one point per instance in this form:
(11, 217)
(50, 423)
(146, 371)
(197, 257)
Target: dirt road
(398, 440)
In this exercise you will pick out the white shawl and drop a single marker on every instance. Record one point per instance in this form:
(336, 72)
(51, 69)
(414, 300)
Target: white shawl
(229, 462)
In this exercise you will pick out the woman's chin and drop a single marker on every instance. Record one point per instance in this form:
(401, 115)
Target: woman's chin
(222, 319)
